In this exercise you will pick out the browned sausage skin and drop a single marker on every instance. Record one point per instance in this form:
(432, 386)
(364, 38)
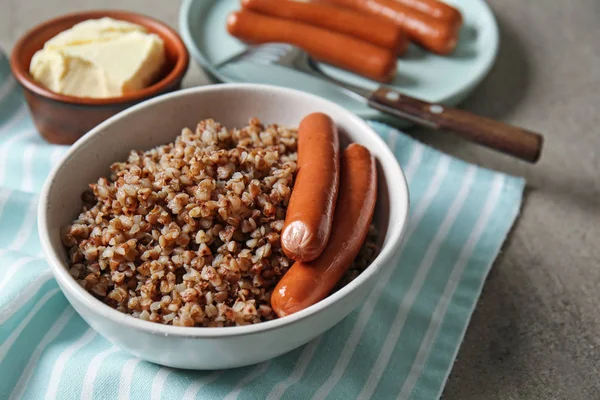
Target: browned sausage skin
(310, 210)
(435, 35)
(307, 283)
(436, 9)
(334, 48)
(375, 30)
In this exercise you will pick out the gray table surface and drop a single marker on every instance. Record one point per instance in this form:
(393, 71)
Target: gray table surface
(536, 331)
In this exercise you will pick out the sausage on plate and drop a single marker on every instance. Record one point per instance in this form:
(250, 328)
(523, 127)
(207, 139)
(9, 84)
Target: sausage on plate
(334, 48)
(307, 283)
(437, 9)
(433, 34)
(310, 211)
(375, 30)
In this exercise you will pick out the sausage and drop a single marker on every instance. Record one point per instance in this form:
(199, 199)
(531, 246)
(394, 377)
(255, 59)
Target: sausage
(437, 9)
(377, 31)
(436, 35)
(433, 34)
(310, 211)
(330, 47)
(307, 283)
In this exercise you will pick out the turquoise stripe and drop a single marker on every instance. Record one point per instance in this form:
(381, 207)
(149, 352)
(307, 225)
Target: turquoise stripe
(108, 375)
(318, 369)
(39, 381)
(458, 270)
(17, 357)
(279, 370)
(465, 297)
(425, 303)
(18, 123)
(13, 177)
(142, 378)
(13, 214)
(10, 104)
(14, 148)
(21, 313)
(71, 382)
(50, 339)
(9, 257)
(373, 338)
(176, 384)
(128, 391)
(28, 227)
(13, 211)
(222, 386)
(18, 211)
(199, 379)
(4, 67)
(253, 376)
(27, 275)
(386, 133)
(26, 160)
(35, 140)
(41, 167)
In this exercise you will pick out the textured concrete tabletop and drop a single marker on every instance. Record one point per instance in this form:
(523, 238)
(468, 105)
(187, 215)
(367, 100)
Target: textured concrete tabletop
(536, 331)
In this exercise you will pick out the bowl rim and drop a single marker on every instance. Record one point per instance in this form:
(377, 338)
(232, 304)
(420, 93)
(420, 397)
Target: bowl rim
(22, 75)
(385, 256)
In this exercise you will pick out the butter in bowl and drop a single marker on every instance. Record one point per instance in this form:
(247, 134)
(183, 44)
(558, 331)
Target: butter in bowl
(99, 58)
(82, 68)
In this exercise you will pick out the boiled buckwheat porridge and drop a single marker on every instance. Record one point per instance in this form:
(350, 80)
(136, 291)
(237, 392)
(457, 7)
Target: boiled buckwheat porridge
(188, 233)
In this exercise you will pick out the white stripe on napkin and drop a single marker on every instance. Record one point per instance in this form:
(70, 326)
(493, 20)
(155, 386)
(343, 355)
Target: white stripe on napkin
(457, 270)
(26, 226)
(127, 378)
(12, 270)
(62, 359)
(92, 371)
(415, 288)
(27, 165)
(298, 371)
(5, 150)
(11, 339)
(159, 381)
(27, 293)
(371, 302)
(7, 86)
(257, 370)
(56, 328)
(192, 391)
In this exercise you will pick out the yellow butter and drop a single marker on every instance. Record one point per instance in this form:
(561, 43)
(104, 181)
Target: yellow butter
(99, 58)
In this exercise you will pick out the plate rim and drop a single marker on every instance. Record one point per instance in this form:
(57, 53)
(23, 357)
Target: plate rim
(452, 99)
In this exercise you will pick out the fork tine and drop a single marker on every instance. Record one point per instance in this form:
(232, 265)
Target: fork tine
(233, 58)
(263, 54)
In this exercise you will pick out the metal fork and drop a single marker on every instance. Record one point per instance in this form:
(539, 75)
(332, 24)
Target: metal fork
(511, 140)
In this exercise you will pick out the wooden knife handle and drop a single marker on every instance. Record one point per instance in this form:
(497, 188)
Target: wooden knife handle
(517, 142)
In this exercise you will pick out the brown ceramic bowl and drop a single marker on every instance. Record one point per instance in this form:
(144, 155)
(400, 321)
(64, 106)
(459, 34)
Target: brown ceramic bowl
(64, 119)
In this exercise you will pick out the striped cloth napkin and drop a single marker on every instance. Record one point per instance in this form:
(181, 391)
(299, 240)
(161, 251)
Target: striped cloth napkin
(399, 345)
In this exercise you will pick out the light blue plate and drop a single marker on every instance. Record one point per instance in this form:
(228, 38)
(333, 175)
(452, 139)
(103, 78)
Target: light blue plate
(422, 75)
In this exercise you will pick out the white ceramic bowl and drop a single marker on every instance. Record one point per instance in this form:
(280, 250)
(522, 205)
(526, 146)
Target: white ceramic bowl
(158, 121)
